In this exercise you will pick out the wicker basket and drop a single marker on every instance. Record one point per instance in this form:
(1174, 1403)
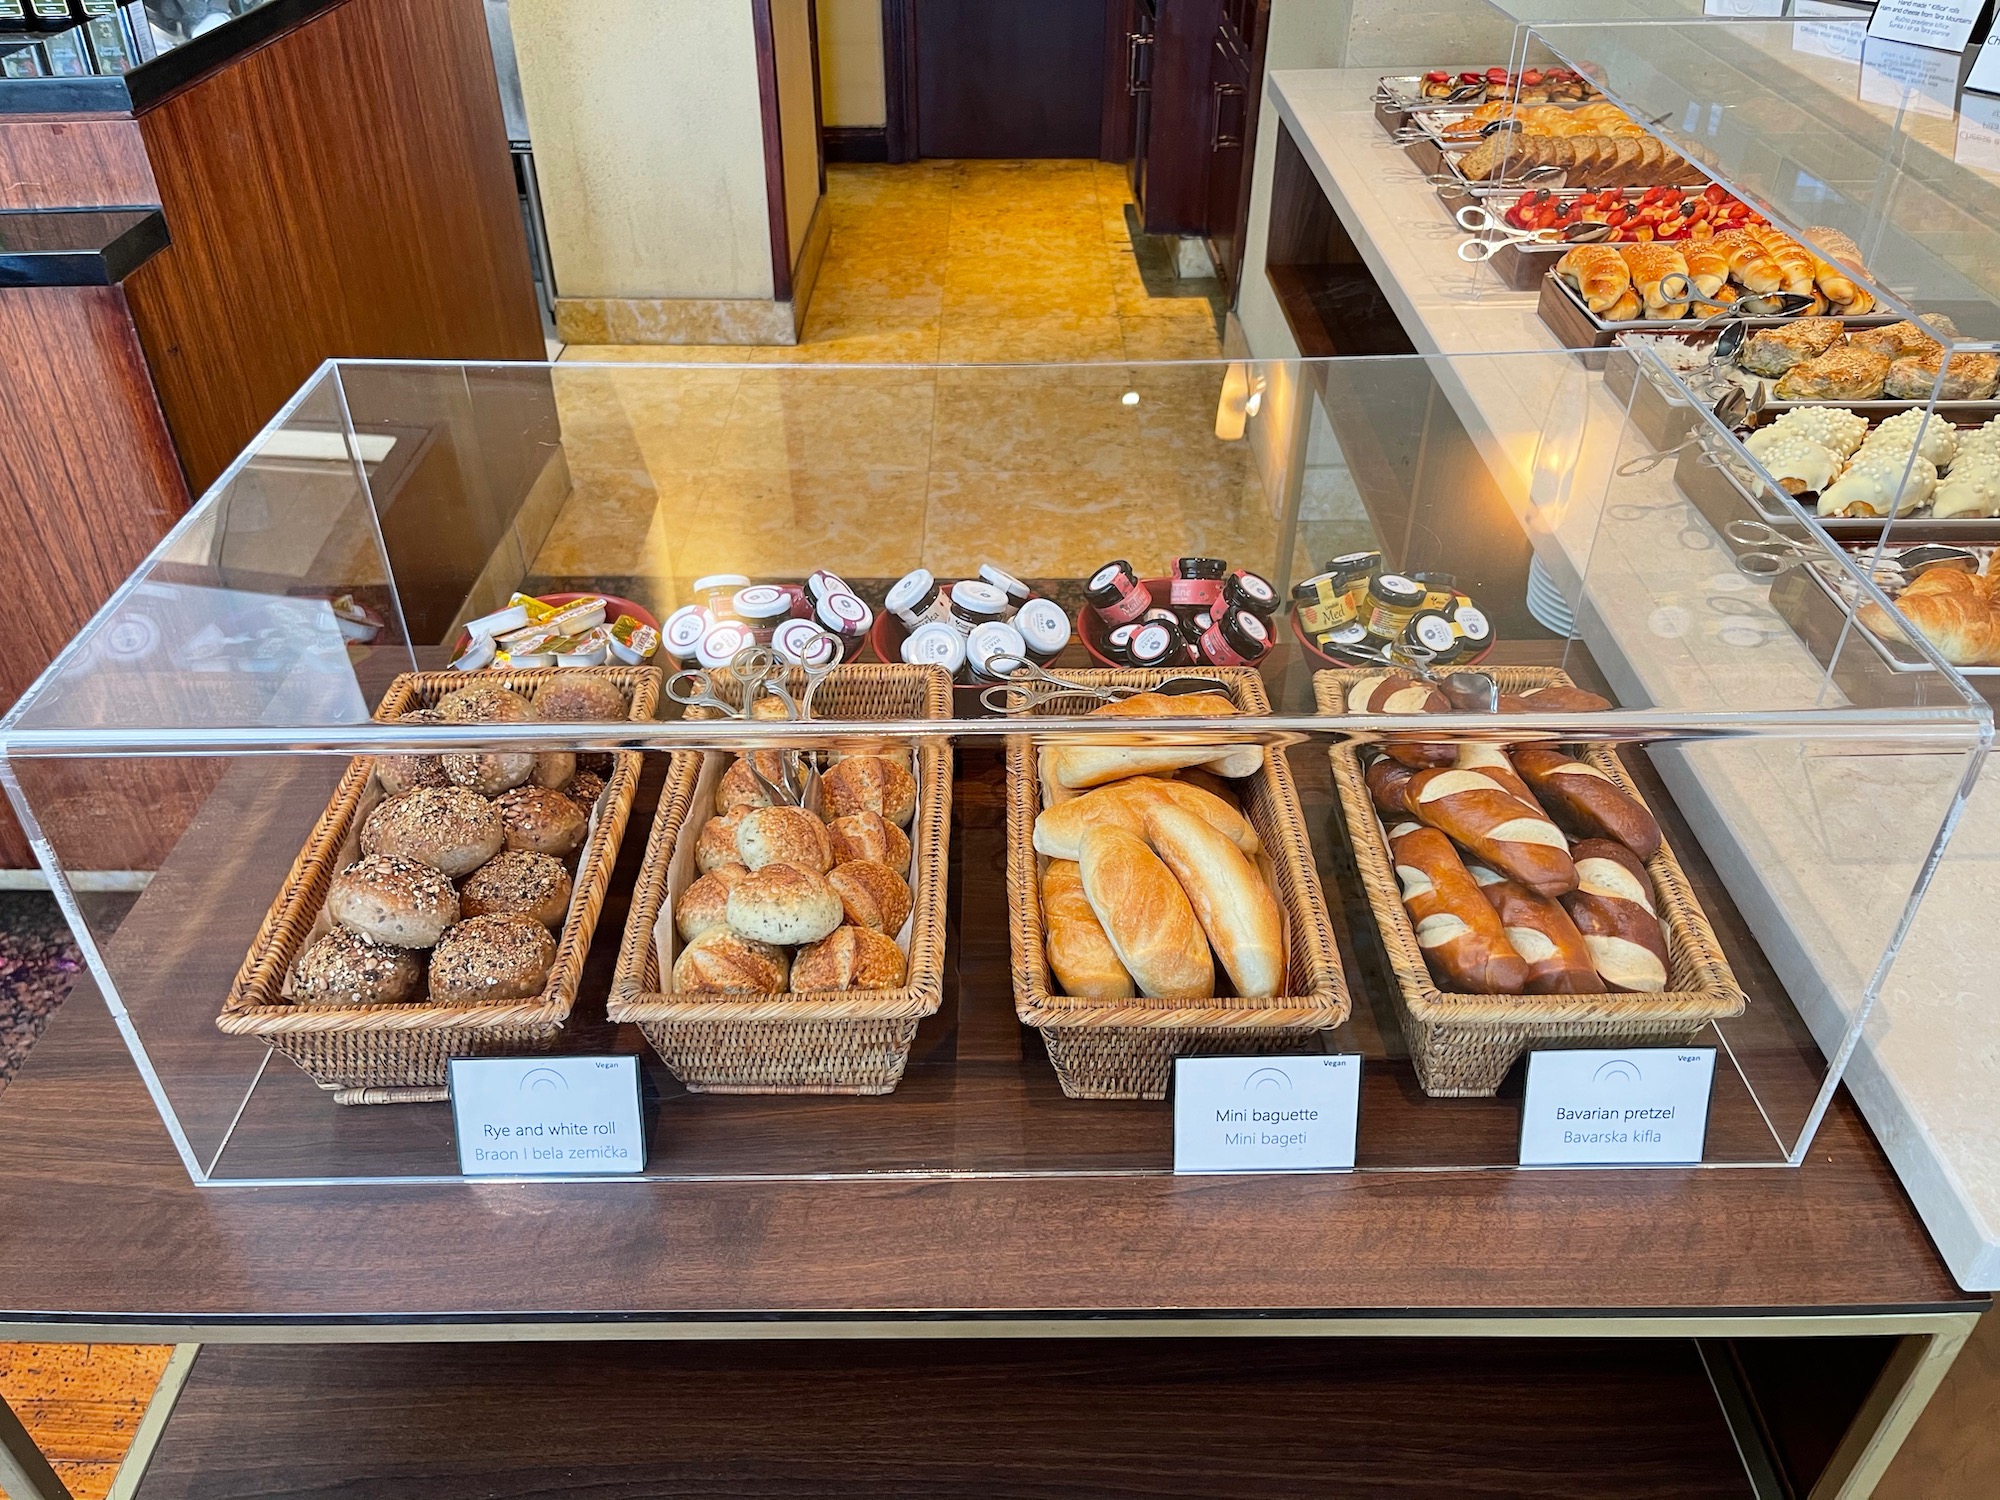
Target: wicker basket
(854, 1042)
(1125, 1049)
(1463, 1045)
(397, 1054)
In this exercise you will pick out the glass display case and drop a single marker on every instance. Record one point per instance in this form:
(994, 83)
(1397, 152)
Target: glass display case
(202, 767)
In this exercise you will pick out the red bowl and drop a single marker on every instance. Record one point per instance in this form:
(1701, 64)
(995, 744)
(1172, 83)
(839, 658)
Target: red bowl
(613, 608)
(1313, 653)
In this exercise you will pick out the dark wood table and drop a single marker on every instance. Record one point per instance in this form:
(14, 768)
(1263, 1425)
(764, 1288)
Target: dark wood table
(103, 1237)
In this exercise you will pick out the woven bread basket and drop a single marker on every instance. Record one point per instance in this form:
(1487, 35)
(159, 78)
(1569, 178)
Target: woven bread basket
(852, 1042)
(398, 1054)
(1463, 1045)
(1125, 1049)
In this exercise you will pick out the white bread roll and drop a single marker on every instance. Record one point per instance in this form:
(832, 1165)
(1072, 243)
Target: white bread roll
(1235, 907)
(1146, 915)
(1123, 804)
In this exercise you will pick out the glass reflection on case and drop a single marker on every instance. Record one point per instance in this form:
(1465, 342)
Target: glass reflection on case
(20, 58)
(110, 48)
(68, 58)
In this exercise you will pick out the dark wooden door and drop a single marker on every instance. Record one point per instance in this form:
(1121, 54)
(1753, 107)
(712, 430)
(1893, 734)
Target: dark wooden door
(1009, 78)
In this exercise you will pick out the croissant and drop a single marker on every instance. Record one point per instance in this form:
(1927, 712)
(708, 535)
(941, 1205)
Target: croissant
(1707, 265)
(1598, 272)
(1794, 261)
(1659, 272)
(1748, 262)
(1954, 611)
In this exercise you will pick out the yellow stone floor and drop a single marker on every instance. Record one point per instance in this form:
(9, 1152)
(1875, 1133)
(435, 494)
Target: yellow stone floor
(1050, 470)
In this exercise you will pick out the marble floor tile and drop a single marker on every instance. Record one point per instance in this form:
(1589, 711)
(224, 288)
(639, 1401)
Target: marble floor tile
(1055, 336)
(1172, 338)
(867, 522)
(850, 420)
(619, 522)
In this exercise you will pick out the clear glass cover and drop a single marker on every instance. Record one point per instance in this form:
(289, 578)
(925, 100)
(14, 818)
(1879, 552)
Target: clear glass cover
(175, 761)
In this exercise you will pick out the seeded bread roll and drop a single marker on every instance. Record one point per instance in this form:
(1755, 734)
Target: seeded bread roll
(491, 960)
(871, 895)
(869, 835)
(716, 844)
(445, 827)
(850, 958)
(869, 783)
(783, 905)
(488, 772)
(724, 962)
(405, 773)
(784, 836)
(739, 789)
(554, 769)
(344, 968)
(705, 903)
(540, 820)
(399, 902)
(584, 788)
(521, 883)
(576, 696)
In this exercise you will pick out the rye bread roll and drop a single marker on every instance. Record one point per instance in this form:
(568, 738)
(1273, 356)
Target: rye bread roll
(402, 903)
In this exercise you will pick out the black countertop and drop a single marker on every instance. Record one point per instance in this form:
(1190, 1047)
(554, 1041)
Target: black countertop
(77, 246)
(190, 38)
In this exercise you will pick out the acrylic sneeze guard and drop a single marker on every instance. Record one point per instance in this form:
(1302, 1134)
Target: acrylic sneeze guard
(173, 760)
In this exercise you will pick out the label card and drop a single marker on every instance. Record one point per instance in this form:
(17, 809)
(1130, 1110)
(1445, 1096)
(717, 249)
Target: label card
(547, 1116)
(1985, 74)
(1839, 37)
(1978, 144)
(1919, 80)
(1642, 1104)
(1265, 1114)
(1927, 23)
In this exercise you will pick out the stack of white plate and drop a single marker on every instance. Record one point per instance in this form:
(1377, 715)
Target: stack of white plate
(1546, 602)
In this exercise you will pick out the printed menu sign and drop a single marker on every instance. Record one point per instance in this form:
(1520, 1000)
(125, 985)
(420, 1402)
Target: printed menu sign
(1978, 144)
(1919, 80)
(1265, 1114)
(1985, 74)
(547, 1116)
(1616, 1107)
(1927, 23)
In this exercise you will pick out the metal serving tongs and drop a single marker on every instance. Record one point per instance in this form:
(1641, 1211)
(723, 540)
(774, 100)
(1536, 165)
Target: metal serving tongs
(1465, 690)
(1037, 686)
(1480, 222)
(1771, 552)
(1733, 409)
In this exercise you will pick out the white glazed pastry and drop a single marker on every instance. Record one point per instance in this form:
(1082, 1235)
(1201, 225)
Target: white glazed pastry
(1980, 443)
(1975, 492)
(1798, 463)
(1931, 435)
(1875, 480)
(1834, 428)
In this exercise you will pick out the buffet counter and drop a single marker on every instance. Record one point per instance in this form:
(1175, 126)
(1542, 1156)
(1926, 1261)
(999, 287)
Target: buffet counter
(1926, 1069)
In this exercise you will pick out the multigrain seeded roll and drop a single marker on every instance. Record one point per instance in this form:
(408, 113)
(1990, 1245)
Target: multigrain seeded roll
(579, 696)
(446, 827)
(784, 836)
(871, 895)
(488, 772)
(400, 902)
(738, 789)
(869, 835)
(521, 883)
(784, 906)
(491, 960)
(540, 820)
(584, 788)
(705, 903)
(405, 773)
(554, 769)
(344, 968)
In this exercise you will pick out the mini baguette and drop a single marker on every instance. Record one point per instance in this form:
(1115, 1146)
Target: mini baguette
(1081, 955)
(1461, 935)
(1495, 827)
(1542, 933)
(1230, 899)
(1585, 801)
(1146, 915)
(1078, 767)
(1612, 907)
(1123, 804)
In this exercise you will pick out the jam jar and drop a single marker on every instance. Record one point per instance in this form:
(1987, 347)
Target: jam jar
(1197, 583)
(1044, 630)
(935, 644)
(1322, 605)
(1116, 593)
(762, 607)
(1391, 600)
(916, 598)
(1244, 589)
(1156, 645)
(994, 650)
(974, 603)
(1237, 638)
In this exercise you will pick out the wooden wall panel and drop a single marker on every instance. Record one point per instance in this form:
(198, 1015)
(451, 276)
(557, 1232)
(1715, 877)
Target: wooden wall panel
(73, 163)
(345, 190)
(90, 481)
